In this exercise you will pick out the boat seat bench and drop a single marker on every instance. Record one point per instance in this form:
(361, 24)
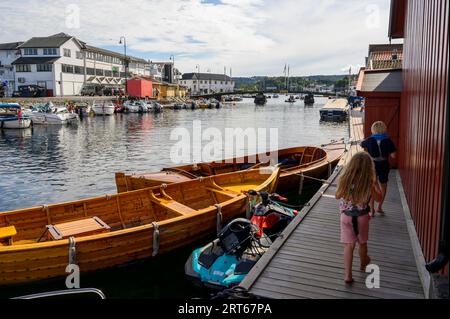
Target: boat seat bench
(83, 227)
(7, 234)
(177, 207)
(218, 191)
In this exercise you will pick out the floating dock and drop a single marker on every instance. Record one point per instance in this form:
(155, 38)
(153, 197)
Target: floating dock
(307, 261)
(335, 110)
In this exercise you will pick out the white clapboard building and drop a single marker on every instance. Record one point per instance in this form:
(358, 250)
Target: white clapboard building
(63, 65)
(207, 83)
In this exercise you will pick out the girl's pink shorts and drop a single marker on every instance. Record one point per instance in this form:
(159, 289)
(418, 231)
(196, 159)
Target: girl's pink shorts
(348, 234)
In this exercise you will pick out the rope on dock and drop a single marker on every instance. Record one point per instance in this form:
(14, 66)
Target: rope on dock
(316, 179)
(333, 142)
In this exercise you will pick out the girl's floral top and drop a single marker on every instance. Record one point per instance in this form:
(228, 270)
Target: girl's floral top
(345, 205)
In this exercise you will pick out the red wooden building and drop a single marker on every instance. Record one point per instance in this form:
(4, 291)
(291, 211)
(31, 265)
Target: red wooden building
(417, 115)
(382, 90)
(140, 88)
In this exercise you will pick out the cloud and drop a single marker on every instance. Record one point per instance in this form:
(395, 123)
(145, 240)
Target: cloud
(254, 37)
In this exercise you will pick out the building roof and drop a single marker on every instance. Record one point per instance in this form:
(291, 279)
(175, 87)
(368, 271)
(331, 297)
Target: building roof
(386, 60)
(53, 41)
(56, 40)
(381, 81)
(385, 47)
(113, 53)
(206, 76)
(10, 46)
(397, 19)
(35, 60)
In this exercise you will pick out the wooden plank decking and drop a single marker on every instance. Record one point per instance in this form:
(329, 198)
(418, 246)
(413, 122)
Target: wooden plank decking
(308, 261)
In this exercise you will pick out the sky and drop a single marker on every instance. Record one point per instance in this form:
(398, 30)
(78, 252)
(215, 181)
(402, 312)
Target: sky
(250, 37)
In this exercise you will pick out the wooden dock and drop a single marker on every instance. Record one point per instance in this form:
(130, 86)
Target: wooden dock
(307, 261)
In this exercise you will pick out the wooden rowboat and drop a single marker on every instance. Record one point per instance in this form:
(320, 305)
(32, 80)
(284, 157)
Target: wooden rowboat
(37, 243)
(310, 161)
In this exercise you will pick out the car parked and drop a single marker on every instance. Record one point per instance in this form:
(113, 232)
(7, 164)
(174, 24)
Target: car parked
(30, 91)
(92, 90)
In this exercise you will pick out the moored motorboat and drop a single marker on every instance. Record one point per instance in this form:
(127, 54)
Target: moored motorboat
(12, 116)
(132, 107)
(103, 108)
(214, 104)
(260, 99)
(203, 104)
(309, 99)
(335, 110)
(49, 114)
(291, 99)
(144, 106)
(157, 107)
(39, 242)
(316, 162)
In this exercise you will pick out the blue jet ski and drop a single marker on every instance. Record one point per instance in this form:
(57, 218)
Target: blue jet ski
(226, 261)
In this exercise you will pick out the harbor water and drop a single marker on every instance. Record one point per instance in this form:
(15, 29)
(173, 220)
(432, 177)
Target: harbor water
(50, 164)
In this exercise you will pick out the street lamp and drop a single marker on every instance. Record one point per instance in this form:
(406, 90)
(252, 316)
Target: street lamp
(124, 42)
(198, 77)
(172, 58)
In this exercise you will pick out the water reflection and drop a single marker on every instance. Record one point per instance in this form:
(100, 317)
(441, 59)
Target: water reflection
(48, 164)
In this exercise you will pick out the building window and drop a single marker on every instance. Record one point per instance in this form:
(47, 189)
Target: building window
(99, 72)
(67, 68)
(79, 55)
(67, 53)
(30, 51)
(215, 82)
(90, 71)
(108, 73)
(45, 67)
(50, 51)
(23, 68)
(79, 70)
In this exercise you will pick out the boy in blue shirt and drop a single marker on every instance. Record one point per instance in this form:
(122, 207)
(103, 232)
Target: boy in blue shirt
(380, 147)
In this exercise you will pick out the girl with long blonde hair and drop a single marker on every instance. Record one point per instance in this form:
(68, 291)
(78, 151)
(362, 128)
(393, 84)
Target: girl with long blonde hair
(357, 186)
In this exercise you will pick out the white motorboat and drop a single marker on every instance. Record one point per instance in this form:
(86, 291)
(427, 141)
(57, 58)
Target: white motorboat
(51, 114)
(145, 106)
(104, 108)
(12, 117)
(132, 106)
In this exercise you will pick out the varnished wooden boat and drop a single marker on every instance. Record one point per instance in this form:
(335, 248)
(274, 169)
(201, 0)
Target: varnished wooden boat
(316, 162)
(177, 214)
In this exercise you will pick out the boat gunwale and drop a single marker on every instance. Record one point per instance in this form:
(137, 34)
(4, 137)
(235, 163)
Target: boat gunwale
(235, 160)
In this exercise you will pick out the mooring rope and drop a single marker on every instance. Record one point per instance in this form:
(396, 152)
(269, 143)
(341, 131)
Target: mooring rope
(316, 179)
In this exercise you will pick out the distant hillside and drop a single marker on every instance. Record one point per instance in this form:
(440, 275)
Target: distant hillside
(258, 82)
